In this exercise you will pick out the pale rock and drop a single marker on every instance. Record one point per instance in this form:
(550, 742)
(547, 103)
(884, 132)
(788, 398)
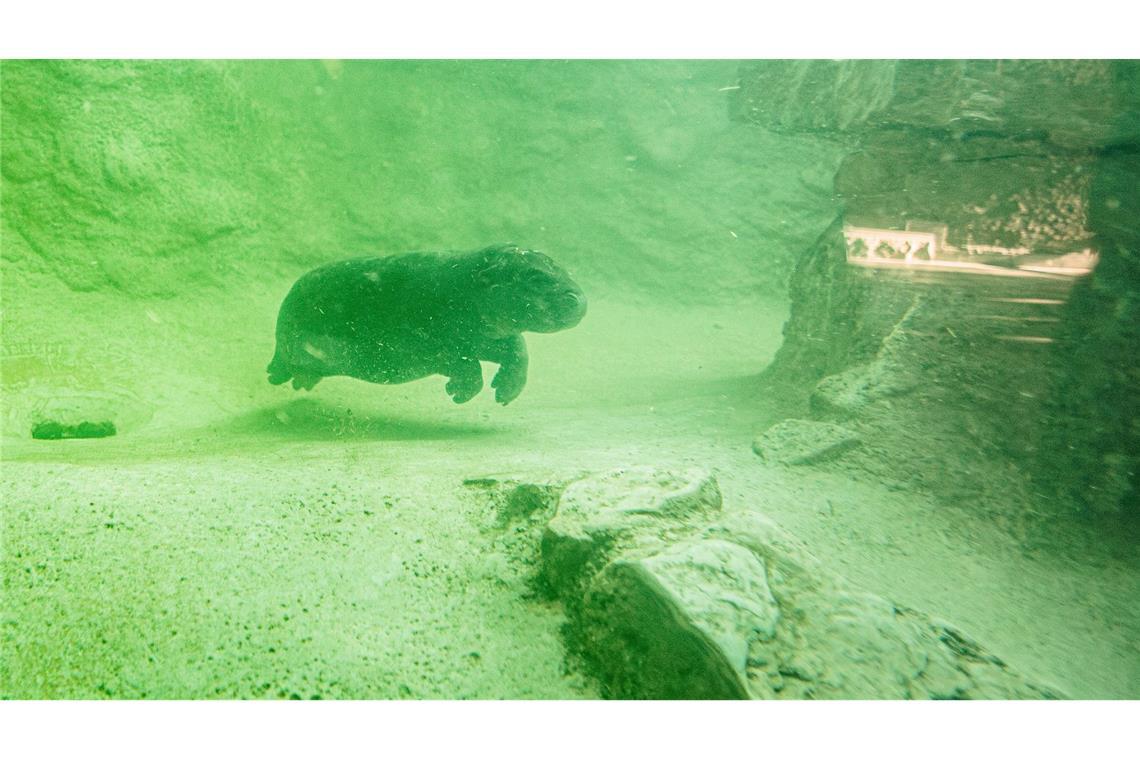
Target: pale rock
(670, 599)
(804, 442)
(638, 504)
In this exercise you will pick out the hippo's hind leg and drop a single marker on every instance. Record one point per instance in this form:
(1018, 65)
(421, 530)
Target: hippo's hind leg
(281, 372)
(466, 380)
(305, 380)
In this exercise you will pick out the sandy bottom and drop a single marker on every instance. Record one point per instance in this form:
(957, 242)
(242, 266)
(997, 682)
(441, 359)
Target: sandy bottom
(251, 541)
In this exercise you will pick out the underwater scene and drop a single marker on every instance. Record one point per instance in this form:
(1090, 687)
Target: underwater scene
(536, 379)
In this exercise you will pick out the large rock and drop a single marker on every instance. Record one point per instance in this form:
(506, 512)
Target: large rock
(600, 514)
(838, 641)
(681, 622)
(668, 600)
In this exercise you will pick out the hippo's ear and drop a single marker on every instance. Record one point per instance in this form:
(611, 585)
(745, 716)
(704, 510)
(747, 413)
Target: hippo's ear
(496, 262)
(502, 249)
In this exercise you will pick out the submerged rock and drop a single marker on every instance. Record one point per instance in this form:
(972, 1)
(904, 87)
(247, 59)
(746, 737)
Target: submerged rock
(48, 411)
(599, 514)
(514, 500)
(804, 442)
(53, 431)
(845, 393)
(688, 615)
(667, 598)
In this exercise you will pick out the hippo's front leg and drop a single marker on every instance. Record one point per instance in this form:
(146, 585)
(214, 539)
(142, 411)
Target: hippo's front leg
(465, 379)
(510, 380)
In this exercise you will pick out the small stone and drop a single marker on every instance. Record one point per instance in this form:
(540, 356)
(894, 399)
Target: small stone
(804, 442)
(50, 430)
(845, 393)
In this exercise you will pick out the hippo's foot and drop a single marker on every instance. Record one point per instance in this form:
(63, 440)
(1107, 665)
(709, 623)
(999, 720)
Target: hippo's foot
(305, 381)
(465, 383)
(508, 384)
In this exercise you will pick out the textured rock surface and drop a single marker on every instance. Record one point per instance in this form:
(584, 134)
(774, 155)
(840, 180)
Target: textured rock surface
(837, 641)
(1096, 404)
(680, 622)
(1029, 156)
(1071, 103)
(688, 604)
(139, 200)
(142, 176)
(992, 189)
(598, 514)
(804, 442)
(846, 392)
(889, 373)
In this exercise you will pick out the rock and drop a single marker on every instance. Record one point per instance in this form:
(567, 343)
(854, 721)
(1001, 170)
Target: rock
(884, 376)
(1015, 163)
(598, 514)
(687, 615)
(514, 500)
(51, 412)
(804, 442)
(1091, 451)
(1070, 103)
(785, 558)
(669, 601)
(800, 96)
(49, 430)
(845, 393)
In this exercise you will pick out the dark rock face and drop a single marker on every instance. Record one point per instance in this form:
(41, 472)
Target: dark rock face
(1018, 160)
(1092, 448)
(1068, 103)
(400, 318)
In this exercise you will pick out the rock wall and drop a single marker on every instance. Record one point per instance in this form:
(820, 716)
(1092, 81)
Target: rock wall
(150, 177)
(154, 213)
(967, 378)
(1069, 103)
(1092, 448)
(144, 178)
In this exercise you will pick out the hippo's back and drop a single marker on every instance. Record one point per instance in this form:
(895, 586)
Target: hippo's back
(383, 319)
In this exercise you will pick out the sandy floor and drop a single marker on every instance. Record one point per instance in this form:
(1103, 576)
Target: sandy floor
(253, 541)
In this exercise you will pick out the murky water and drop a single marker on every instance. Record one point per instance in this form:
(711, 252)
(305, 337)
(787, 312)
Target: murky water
(820, 397)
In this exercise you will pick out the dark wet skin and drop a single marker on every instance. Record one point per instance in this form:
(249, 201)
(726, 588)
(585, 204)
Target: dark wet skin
(395, 319)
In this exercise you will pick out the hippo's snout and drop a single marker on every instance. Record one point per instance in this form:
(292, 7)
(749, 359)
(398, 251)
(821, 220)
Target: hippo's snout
(572, 304)
(556, 312)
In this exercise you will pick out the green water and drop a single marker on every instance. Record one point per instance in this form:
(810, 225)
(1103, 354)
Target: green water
(180, 528)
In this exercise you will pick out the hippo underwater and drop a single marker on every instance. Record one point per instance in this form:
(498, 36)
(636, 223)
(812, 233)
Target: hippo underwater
(394, 319)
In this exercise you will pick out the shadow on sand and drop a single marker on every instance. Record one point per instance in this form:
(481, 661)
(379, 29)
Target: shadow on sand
(312, 420)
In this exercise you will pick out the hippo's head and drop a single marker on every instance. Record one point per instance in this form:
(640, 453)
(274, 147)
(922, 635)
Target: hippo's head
(525, 291)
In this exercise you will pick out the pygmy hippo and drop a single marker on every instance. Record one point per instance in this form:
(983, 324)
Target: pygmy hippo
(393, 319)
